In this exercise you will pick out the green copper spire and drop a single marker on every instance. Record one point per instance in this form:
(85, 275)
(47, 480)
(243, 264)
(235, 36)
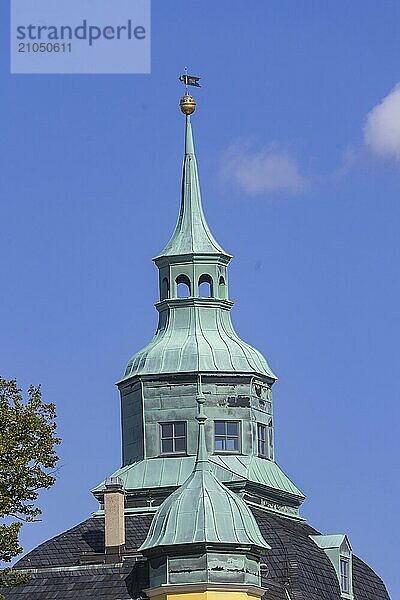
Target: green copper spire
(195, 333)
(192, 234)
(161, 393)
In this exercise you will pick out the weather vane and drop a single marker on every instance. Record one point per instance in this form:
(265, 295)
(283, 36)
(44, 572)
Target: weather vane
(188, 103)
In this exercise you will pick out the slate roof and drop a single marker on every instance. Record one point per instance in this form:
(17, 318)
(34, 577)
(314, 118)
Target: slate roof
(294, 563)
(102, 583)
(67, 548)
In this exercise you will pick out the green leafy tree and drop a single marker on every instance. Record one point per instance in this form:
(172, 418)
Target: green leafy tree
(28, 462)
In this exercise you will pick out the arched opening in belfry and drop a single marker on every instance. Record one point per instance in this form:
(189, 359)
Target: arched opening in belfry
(205, 286)
(165, 288)
(222, 288)
(183, 287)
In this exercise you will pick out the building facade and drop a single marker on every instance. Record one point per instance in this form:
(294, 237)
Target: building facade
(200, 509)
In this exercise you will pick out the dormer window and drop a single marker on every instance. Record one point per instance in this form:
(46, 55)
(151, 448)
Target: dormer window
(337, 548)
(344, 574)
(173, 437)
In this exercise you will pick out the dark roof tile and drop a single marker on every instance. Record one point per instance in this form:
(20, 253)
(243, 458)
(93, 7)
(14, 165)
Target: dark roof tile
(294, 564)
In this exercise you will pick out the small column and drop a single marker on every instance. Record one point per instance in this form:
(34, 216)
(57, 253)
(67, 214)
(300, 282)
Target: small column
(114, 519)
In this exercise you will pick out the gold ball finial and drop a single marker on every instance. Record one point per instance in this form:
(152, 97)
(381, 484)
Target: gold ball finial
(187, 104)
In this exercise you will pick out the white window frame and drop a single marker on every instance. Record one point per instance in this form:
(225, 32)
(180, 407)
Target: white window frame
(174, 437)
(344, 563)
(225, 436)
(267, 440)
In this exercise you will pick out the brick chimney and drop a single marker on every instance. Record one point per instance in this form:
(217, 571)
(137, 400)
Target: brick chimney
(114, 519)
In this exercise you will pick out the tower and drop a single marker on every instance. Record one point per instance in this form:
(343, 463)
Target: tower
(195, 336)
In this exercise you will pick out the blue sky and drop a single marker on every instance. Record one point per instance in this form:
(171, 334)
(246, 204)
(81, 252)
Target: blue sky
(298, 142)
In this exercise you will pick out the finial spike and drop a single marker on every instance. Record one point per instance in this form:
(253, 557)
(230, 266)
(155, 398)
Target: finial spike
(202, 454)
(189, 145)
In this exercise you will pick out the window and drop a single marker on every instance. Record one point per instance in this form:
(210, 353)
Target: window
(270, 440)
(164, 289)
(222, 288)
(227, 436)
(344, 574)
(173, 438)
(183, 286)
(262, 440)
(205, 286)
(264, 435)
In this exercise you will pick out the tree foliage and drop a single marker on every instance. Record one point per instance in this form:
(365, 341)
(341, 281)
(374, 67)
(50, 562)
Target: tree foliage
(28, 461)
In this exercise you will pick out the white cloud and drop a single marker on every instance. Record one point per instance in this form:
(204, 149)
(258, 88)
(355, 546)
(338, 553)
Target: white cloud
(382, 129)
(264, 171)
